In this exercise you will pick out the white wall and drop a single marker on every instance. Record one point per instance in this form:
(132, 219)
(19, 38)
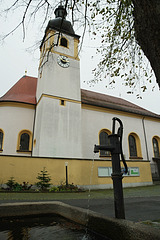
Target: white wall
(12, 120)
(58, 129)
(69, 50)
(94, 121)
(59, 81)
(152, 129)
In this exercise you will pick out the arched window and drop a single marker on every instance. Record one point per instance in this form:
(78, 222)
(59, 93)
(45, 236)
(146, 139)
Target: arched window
(155, 142)
(1, 139)
(103, 140)
(64, 42)
(134, 146)
(24, 141)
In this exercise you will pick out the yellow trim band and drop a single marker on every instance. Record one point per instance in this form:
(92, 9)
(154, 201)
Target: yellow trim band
(17, 104)
(59, 98)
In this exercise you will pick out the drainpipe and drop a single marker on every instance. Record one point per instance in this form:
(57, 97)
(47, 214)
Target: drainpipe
(33, 129)
(145, 138)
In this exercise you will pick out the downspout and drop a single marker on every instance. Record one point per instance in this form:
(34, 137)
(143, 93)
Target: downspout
(33, 129)
(145, 138)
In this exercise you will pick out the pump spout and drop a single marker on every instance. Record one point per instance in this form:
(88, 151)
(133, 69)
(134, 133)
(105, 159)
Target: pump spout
(97, 148)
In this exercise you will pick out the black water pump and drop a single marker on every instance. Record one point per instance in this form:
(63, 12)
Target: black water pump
(115, 147)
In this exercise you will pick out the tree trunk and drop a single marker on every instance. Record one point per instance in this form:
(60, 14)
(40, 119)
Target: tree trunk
(147, 31)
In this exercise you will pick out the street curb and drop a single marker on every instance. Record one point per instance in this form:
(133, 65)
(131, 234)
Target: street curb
(109, 227)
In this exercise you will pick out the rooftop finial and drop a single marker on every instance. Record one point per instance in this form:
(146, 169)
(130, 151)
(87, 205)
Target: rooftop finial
(25, 73)
(60, 12)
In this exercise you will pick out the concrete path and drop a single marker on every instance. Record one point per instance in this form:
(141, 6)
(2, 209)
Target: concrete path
(136, 209)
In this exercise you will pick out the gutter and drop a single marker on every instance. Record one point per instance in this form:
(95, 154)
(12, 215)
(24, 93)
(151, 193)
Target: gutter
(145, 138)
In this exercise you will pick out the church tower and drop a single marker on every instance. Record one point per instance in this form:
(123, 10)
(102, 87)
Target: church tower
(57, 131)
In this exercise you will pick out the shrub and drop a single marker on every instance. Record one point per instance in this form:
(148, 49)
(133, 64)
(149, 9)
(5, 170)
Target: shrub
(54, 189)
(11, 183)
(68, 187)
(44, 180)
(15, 186)
(26, 186)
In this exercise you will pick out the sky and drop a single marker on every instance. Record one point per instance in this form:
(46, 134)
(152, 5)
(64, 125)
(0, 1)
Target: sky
(18, 56)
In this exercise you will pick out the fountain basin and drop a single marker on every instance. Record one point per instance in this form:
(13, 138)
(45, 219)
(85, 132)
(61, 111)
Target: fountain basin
(109, 227)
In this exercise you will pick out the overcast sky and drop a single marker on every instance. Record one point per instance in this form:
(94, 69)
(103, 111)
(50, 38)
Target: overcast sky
(17, 57)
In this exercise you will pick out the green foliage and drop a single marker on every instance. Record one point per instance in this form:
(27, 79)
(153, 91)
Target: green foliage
(65, 188)
(26, 186)
(15, 186)
(69, 187)
(121, 56)
(11, 183)
(54, 189)
(44, 180)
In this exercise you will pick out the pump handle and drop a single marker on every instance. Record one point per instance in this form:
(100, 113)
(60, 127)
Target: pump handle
(120, 134)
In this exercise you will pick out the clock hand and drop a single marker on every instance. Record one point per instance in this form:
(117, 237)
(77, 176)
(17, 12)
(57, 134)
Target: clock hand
(63, 60)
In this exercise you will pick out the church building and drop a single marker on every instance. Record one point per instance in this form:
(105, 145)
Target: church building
(51, 122)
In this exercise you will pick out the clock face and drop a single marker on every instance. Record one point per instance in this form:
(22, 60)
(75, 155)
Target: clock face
(63, 61)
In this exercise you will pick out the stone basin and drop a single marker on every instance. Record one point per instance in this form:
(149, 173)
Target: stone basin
(115, 229)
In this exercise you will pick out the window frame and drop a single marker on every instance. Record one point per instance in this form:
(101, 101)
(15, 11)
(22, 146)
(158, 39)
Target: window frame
(108, 132)
(62, 102)
(138, 146)
(19, 139)
(1, 131)
(158, 142)
(60, 43)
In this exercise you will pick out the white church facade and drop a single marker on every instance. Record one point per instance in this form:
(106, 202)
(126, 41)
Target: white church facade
(48, 121)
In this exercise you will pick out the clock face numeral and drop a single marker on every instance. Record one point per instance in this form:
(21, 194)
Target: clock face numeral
(63, 61)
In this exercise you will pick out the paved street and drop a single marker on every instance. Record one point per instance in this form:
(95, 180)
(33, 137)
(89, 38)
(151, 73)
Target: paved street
(136, 209)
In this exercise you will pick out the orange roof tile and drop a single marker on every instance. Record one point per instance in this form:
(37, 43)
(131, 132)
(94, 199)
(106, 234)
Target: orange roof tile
(106, 101)
(23, 91)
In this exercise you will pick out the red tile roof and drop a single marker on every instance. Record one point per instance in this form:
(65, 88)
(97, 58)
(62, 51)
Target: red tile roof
(23, 91)
(106, 101)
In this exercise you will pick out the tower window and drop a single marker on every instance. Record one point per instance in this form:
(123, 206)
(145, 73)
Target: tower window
(62, 102)
(64, 42)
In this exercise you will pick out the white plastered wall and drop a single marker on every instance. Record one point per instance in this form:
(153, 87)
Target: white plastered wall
(58, 129)
(152, 129)
(59, 81)
(69, 50)
(13, 119)
(94, 121)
